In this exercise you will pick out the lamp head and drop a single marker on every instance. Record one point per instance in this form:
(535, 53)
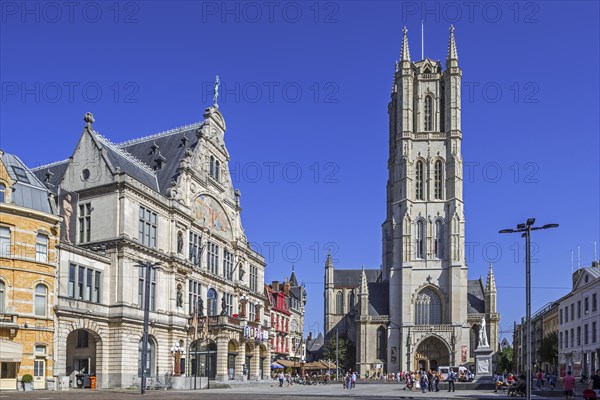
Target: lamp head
(521, 226)
(530, 221)
(548, 226)
(506, 231)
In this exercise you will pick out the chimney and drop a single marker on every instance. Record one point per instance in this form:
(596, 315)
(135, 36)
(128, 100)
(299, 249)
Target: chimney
(275, 285)
(286, 287)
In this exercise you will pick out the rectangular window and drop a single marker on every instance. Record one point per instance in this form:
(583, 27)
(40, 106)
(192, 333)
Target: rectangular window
(573, 312)
(147, 227)
(253, 278)
(141, 284)
(560, 316)
(194, 255)
(193, 295)
(578, 336)
(252, 314)
(566, 314)
(212, 258)
(72, 271)
(566, 338)
(41, 248)
(85, 219)
(594, 332)
(38, 368)
(97, 285)
(227, 265)
(586, 336)
(579, 309)
(4, 242)
(586, 305)
(88, 284)
(572, 336)
(594, 302)
(80, 283)
(229, 303)
(560, 341)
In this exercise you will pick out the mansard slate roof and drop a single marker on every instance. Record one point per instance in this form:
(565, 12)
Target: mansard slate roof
(32, 194)
(351, 277)
(475, 297)
(378, 298)
(136, 158)
(316, 344)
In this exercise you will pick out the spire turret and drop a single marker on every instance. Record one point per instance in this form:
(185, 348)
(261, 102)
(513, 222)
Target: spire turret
(452, 52)
(364, 287)
(491, 281)
(405, 52)
(329, 261)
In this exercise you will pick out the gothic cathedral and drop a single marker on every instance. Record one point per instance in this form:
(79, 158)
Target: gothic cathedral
(419, 311)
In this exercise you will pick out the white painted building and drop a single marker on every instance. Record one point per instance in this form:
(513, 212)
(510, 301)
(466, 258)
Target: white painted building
(579, 324)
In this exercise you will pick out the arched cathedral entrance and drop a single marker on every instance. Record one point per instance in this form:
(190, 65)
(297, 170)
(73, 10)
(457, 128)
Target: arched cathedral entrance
(431, 354)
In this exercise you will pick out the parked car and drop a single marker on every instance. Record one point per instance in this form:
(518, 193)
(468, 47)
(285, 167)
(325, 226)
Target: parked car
(462, 373)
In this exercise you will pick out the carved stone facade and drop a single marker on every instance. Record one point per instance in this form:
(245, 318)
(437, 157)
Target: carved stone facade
(419, 311)
(166, 199)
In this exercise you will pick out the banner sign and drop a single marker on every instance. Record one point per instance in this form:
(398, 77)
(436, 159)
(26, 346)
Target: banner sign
(256, 333)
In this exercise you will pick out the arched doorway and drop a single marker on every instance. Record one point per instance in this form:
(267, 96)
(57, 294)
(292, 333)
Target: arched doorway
(203, 359)
(431, 353)
(150, 357)
(83, 350)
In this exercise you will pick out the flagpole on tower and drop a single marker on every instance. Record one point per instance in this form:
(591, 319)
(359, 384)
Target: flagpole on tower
(422, 39)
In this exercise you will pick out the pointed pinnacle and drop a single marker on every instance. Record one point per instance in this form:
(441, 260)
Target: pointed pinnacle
(405, 53)
(452, 52)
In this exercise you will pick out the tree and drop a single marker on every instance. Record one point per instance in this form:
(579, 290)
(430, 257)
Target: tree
(505, 362)
(346, 350)
(549, 348)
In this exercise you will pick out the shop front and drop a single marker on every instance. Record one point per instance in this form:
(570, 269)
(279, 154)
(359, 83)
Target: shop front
(11, 354)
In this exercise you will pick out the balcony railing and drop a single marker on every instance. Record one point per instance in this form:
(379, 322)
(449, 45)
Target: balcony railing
(8, 320)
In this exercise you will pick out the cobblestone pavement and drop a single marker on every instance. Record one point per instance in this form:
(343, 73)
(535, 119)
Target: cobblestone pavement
(267, 391)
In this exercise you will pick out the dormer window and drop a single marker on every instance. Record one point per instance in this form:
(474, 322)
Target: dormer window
(214, 168)
(2, 193)
(21, 174)
(427, 113)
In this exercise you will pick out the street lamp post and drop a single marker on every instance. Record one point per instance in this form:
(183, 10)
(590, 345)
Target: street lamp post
(525, 230)
(148, 270)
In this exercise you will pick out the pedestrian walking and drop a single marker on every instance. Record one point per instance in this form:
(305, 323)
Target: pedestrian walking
(451, 379)
(569, 385)
(281, 378)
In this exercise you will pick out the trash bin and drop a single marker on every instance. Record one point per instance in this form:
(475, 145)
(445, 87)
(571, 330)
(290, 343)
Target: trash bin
(86, 381)
(93, 382)
(79, 380)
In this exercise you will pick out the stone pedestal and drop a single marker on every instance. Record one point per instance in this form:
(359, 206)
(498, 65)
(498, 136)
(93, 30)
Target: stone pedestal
(483, 364)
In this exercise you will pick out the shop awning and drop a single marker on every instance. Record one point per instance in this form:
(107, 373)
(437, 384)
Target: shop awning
(288, 363)
(10, 351)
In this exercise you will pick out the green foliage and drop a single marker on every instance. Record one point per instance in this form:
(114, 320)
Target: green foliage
(549, 348)
(505, 361)
(27, 378)
(346, 351)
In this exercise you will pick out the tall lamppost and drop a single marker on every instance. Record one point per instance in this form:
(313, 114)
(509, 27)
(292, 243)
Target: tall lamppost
(525, 230)
(148, 272)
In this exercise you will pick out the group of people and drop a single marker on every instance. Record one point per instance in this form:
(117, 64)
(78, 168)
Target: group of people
(518, 385)
(428, 381)
(350, 380)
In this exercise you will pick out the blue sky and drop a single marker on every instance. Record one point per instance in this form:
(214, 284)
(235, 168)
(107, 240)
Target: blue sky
(304, 90)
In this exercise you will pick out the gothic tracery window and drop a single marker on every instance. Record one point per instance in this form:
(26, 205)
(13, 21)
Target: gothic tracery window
(427, 122)
(381, 343)
(438, 180)
(438, 246)
(419, 180)
(428, 308)
(420, 239)
(339, 303)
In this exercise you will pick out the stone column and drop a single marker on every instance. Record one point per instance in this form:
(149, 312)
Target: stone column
(222, 349)
(255, 362)
(239, 361)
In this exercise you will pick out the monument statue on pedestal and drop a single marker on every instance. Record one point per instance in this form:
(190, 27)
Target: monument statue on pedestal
(483, 341)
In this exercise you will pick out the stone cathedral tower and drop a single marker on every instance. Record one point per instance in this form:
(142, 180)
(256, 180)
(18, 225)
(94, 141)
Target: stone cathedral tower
(423, 234)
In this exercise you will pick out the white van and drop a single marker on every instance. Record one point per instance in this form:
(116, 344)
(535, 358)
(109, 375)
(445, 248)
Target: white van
(460, 372)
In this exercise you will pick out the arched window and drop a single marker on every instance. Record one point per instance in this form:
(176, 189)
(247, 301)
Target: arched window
(41, 294)
(2, 190)
(211, 169)
(419, 180)
(427, 109)
(211, 296)
(428, 308)
(438, 244)
(420, 239)
(381, 343)
(339, 303)
(2, 299)
(351, 300)
(438, 179)
(217, 169)
(150, 357)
